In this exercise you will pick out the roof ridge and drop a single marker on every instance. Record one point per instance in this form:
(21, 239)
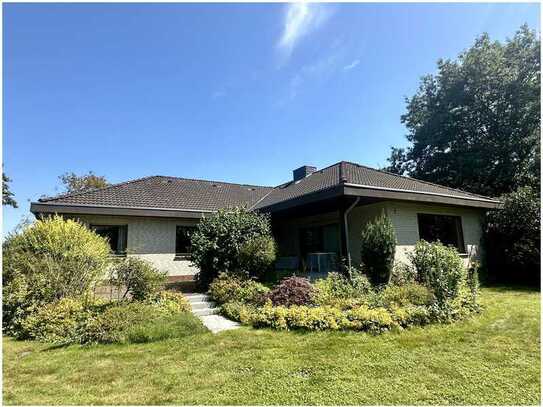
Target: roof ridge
(419, 180)
(119, 184)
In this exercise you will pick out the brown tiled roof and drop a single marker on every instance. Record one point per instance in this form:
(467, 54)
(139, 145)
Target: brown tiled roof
(159, 192)
(357, 175)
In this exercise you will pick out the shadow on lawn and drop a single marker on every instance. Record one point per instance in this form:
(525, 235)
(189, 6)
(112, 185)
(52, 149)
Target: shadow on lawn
(512, 287)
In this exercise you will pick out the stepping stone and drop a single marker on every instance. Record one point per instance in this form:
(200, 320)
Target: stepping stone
(218, 323)
(205, 309)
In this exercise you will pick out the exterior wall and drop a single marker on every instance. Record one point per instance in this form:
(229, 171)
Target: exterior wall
(404, 219)
(152, 239)
(357, 219)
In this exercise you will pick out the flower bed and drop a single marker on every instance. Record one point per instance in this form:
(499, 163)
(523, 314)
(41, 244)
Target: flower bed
(437, 289)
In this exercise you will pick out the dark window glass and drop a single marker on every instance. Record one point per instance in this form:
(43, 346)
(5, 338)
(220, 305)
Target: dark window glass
(115, 234)
(182, 239)
(446, 229)
(311, 240)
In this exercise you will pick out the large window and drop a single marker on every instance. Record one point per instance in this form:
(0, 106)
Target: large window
(319, 239)
(446, 229)
(183, 235)
(116, 236)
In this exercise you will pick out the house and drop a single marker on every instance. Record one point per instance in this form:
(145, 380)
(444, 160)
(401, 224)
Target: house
(317, 216)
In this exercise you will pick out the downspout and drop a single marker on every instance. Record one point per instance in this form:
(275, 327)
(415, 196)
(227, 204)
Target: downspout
(346, 224)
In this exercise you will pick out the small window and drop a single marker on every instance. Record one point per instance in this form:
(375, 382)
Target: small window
(446, 229)
(116, 236)
(183, 235)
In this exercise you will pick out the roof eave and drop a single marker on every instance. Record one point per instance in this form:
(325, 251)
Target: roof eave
(416, 196)
(38, 208)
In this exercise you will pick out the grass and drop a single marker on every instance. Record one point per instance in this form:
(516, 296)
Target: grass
(493, 358)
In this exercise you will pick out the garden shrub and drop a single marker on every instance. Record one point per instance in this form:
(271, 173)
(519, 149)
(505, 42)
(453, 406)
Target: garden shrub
(172, 301)
(407, 294)
(60, 322)
(257, 255)
(512, 238)
(86, 320)
(113, 324)
(292, 291)
(218, 239)
(233, 288)
(48, 260)
(360, 318)
(438, 267)
(336, 288)
(402, 274)
(378, 249)
(137, 277)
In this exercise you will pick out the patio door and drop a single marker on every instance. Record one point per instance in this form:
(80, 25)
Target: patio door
(319, 248)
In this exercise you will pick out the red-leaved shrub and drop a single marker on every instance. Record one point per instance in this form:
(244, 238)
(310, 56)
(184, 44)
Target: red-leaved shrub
(292, 291)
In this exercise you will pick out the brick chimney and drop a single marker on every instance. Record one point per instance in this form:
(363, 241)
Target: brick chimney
(302, 172)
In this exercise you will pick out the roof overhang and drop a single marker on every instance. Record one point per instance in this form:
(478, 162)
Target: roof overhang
(416, 196)
(345, 189)
(38, 208)
(357, 190)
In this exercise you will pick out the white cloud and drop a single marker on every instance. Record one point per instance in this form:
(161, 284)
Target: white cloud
(352, 65)
(300, 20)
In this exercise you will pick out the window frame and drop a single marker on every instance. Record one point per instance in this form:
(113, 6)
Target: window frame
(122, 238)
(460, 244)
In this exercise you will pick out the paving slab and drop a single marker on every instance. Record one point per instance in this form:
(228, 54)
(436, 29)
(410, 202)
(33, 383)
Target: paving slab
(218, 323)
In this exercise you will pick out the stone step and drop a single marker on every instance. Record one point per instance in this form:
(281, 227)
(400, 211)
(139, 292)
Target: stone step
(217, 323)
(205, 311)
(197, 297)
(202, 304)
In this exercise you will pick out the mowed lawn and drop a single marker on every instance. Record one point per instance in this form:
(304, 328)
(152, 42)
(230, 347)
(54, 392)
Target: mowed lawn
(492, 358)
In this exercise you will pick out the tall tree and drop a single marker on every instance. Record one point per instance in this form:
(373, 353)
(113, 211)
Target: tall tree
(475, 125)
(79, 183)
(7, 195)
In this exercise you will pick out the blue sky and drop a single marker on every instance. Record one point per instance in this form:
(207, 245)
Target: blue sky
(241, 93)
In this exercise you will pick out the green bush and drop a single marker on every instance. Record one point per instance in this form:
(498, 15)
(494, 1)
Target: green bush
(360, 318)
(61, 322)
(232, 288)
(512, 239)
(438, 267)
(137, 277)
(257, 255)
(378, 249)
(402, 274)
(116, 321)
(86, 320)
(336, 288)
(173, 302)
(218, 239)
(407, 294)
(48, 260)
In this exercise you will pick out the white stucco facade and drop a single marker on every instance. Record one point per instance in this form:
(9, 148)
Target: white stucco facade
(153, 239)
(404, 219)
